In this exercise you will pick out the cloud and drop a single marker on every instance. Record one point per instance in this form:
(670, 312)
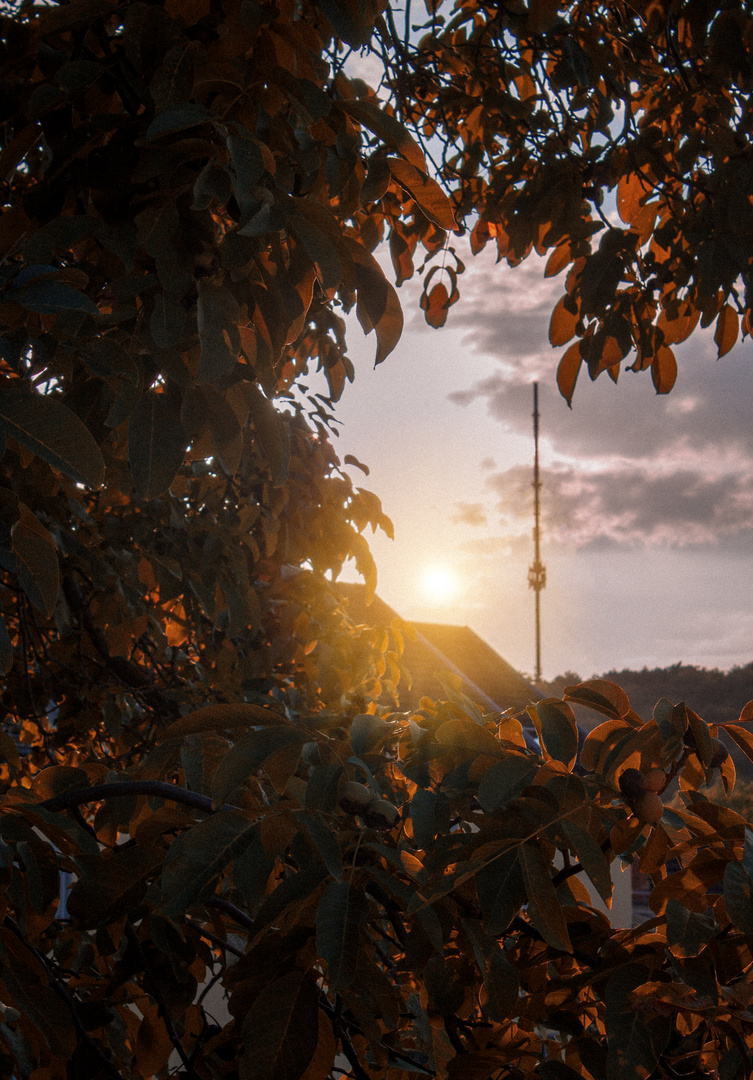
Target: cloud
(630, 504)
(468, 514)
(625, 467)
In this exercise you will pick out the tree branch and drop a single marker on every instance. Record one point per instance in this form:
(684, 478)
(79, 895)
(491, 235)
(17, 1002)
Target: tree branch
(156, 788)
(70, 1001)
(234, 912)
(156, 993)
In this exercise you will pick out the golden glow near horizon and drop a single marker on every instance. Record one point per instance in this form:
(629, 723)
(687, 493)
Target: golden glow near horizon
(439, 584)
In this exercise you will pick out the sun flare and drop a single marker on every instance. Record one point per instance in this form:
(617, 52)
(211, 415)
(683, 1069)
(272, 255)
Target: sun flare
(439, 584)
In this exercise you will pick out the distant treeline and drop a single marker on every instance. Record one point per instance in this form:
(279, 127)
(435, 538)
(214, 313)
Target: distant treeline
(717, 696)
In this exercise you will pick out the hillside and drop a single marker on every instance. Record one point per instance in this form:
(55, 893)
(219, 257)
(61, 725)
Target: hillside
(717, 696)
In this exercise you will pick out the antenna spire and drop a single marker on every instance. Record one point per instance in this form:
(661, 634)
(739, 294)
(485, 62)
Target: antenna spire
(537, 570)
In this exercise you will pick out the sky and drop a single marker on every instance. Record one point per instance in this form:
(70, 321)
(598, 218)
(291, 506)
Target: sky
(647, 501)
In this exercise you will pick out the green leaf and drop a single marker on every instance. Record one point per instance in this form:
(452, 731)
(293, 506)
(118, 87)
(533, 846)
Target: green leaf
(178, 118)
(557, 1070)
(52, 431)
(218, 317)
(112, 885)
(40, 1006)
(377, 181)
(321, 790)
(544, 909)
(281, 1029)
(168, 321)
(368, 112)
(271, 432)
(559, 732)
(222, 718)
(156, 444)
(248, 755)
(431, 200)
(349, 21)
(200, 756)
(326, 842)
(293, 889)
(341, 912)
(48, 296)
(367, 731)
(601, 695)
(738, 896)
(505, 781)
(213, 185)
(591, 857)
(42, 874)
(199, 855)
(430, 813)
(320, 250)
(688, 932)
(501, 891)
(452, 685)
(378, 307)
(251, 870)
(633, 1045)
(36, 561)
(108, 357)
(248, 165)
(9, 752)
(671, 721)
(502, 987)
(468, 738)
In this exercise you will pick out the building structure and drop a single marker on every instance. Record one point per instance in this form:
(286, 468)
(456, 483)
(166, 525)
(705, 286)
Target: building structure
(488, 679)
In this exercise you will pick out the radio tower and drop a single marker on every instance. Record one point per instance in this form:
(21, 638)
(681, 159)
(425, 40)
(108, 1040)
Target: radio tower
(537, 570)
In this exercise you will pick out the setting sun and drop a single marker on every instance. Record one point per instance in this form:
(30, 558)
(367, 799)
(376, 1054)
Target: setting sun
(438, 583)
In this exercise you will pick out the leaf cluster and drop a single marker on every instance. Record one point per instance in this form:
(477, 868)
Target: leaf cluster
(545, 117)
(462, 938)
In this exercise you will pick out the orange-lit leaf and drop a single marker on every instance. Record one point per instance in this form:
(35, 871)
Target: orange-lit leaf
(436, 305)
(611, 354)
(664, 369)
(153, 1045)
(567, 372)
(727, 329)
(562, 325)
(601, 695)
(558, 260)
(427, 193)
(630, 191)
(643, 222)
(466, 735)
(679, 329)
(742, 737)
(368, 112)
(324, 1055)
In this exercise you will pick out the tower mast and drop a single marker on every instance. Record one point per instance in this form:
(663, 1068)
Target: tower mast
(537, 570)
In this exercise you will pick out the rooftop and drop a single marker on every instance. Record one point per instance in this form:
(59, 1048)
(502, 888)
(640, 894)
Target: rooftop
(488, 679)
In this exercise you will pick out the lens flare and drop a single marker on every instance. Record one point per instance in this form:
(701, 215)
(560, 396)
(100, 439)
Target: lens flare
(439, 584)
